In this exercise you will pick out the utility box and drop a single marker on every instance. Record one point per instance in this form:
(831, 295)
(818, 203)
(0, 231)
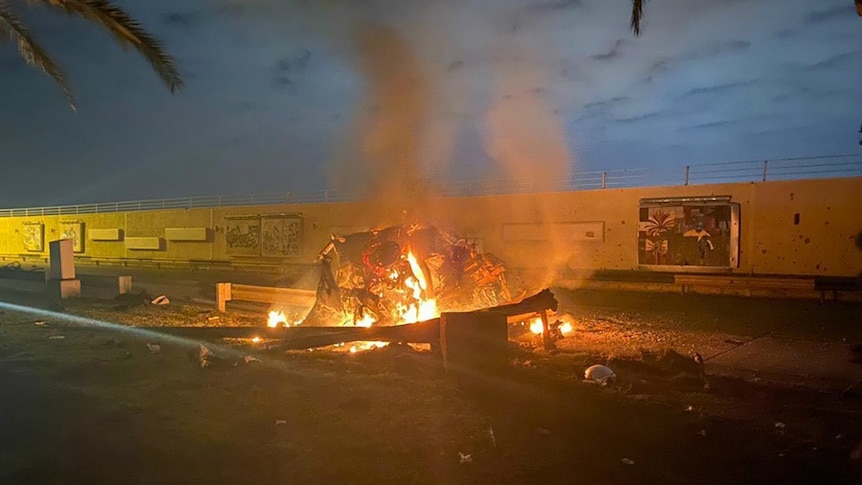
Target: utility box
(61, 275)
(62, 260)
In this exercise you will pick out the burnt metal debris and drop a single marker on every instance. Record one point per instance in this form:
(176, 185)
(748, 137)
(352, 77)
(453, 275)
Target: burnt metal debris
(384, 277)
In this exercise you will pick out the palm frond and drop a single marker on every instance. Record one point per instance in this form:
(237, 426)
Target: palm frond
(30, 50)
(127, 31)
(637, 16)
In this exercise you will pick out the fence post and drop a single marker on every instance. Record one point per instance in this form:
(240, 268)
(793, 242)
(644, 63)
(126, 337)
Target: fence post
(687, 169)
(764, 169)
(223, 295)
(604, 179)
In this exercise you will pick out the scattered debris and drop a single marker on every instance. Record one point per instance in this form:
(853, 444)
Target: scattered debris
(160, 300)
(627, 461)
(702, 433)
(249, 359)
(780, 425)
(689, 409)
(40, 323)
(56, 337)
(491, 435)
(599, 374)
(213, 318)
(279, 422)
(205, 356)
(154, 348)
(465, 458)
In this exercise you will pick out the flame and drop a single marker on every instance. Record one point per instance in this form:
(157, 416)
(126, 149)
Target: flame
(417, 270)
(276, 318)
(566, 328)
(536, 325)
(366, 321)
(363, 346)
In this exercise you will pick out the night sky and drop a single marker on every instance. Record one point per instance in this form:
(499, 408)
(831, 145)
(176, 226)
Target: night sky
(277, 97)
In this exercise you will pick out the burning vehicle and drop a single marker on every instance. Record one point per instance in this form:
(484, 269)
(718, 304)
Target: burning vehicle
(403, 274)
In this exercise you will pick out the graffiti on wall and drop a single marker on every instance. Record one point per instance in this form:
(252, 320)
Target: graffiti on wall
(33, 235)
(691, 234)
(74, 231)
(242, 235)
(281, 236)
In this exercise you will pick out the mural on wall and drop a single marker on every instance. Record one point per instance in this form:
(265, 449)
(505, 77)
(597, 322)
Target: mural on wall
(688, 234)
(75, 231)
(33, 235)
(242, 235)
(281, 236)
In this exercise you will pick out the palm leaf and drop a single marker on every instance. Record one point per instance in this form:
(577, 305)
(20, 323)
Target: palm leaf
(637, 15)
(30, 50)
(127, 31)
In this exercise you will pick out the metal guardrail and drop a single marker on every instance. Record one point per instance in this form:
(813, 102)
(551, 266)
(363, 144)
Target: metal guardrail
(779, 169)
(737, 171)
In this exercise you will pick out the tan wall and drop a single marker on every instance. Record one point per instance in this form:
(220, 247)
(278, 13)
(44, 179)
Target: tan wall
(830, 217)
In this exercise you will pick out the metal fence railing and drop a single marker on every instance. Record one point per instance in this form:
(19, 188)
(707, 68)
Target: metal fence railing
(738, 171)
(778, 169)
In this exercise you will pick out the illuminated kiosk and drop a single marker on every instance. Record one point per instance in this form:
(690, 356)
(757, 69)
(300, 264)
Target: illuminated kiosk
(61, 275)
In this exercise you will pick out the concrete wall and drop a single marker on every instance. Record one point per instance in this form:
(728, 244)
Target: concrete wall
(527, 230)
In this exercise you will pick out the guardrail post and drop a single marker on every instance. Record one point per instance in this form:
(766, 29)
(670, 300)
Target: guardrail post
(604, 179)
(765, 162)
(687, 170)
(222, 296)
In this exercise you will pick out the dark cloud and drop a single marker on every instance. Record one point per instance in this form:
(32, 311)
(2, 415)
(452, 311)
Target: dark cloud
(611, 54)
(554, 5)
(296, 62)
(606, 103)
(713, 49)
(712, 124)
(718, 88)
(180, 19)
(837, 60)
(643, 117)
(822, 16)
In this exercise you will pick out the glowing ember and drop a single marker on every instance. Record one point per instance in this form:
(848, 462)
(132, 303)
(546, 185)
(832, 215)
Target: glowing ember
(276, 318)
(566, 328)
(536, 325)
(363, 346)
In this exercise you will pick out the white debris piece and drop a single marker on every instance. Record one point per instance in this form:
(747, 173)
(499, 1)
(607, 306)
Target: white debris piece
(56, 337)
(40, 323)
(205, 353)
(491, 435)
(160, 300)
(250, 358)
(154, 348)
(599, 374)
(280, 422)
(628, 461)
(465, 458)
(780, 425)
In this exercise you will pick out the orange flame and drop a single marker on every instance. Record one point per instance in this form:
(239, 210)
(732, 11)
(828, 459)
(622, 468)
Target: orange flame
(536, 325)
